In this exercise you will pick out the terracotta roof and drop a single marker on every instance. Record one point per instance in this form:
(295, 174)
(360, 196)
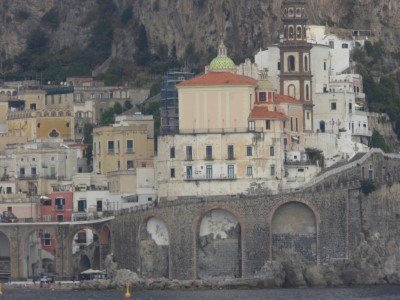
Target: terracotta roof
(219, 78)
(287, 99)
(262, 112)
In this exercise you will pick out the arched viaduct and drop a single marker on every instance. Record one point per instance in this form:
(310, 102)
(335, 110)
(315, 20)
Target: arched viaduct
(233, 236)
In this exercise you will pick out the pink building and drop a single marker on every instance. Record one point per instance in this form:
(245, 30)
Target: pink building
(57, 207)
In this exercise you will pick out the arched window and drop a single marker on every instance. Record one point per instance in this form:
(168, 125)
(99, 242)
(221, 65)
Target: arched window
(291, 63)
(291, 32)
(292, 91)
(53, 113)
(306, 63)
(307, 92)
(298, 32)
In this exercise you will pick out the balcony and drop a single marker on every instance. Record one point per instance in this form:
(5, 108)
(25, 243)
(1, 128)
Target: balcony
(210, 178)
(59, 207)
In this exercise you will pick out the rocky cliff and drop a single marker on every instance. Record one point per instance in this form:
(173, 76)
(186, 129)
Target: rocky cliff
(244, 25)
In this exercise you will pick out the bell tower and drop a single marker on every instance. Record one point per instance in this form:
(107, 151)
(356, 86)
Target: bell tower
(295, 57)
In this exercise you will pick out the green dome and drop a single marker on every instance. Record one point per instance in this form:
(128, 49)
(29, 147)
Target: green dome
(265, 85)
(222, 62)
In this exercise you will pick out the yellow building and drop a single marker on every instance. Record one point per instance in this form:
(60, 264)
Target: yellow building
(46, 114)
(125, 145)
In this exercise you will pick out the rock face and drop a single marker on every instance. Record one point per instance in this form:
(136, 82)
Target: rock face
(244, 25)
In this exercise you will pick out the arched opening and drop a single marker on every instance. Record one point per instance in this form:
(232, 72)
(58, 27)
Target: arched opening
(322, 126)
(306, 63)
(154, 248)
(4, 256)
(292, 91)
(307, 92)
(298, 32)
(84, 263)
(291, 32)
(219, 245)
(294, 230)
(291, 61)
(85, 251)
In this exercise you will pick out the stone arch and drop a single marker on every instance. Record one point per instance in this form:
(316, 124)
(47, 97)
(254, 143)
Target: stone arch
(78, 246)
(5, 254)
(218, 244)
(294, 227)
(154, 247)
(38, 252)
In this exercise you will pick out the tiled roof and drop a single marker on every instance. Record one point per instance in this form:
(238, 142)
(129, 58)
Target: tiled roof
(262, 112)
(287, 99)
(219, 78)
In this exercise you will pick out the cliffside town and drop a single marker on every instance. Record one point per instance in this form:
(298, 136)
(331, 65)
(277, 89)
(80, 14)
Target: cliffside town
(272, 126)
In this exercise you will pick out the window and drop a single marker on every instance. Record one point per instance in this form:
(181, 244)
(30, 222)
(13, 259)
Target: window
(291, 123)
(249, 151)
(297, 124)
(33, 171)
(38, 125)
(291, 32)
(99, 148)
(118, 147)
(47, 236)
(189, 153)
(249, 171)
(129, 146)
(99, 205)
(60, 218)
(308, 115)
(118, 165)
(230, 152)
(110, 146)
(350, 107)
(231, 171)
(262, 96)
(189, 172)
(208, 152)
(33, 106)
(307, 92)
(172, 152)
(52, 172)
(324, 65)
(22, 172)
(306, 63)
(345, 46)
(267, 124)
(273, 170)
(144, 164)
(130, 164)
(60, 203)
(9, 190)
(172, 172)
(252, 125)
(279, 66)
(271, 150)
(298, 32)
(333, 105)
(331, 44)
(209, 172)
(82, 205)
(291, 63)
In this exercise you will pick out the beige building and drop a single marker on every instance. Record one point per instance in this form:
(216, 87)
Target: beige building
(125, 145)
(235, 136)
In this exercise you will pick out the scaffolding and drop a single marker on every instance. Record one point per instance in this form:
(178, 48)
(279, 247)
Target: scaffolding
(169, 100)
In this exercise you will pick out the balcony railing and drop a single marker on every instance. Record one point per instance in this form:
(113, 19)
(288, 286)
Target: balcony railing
(209, 178)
